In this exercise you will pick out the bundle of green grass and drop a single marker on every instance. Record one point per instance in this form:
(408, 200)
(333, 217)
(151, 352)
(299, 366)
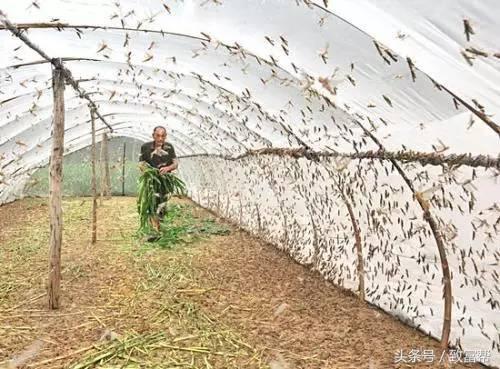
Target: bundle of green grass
(151, 185)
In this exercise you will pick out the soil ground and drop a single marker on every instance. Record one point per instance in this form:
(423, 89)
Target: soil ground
(223, 301)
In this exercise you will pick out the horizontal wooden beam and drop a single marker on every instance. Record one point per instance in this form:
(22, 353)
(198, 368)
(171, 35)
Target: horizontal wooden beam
(484, 161)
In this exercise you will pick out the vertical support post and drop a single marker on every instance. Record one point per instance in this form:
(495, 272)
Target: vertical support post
(94, 180)
(101, 170)
(241, 211)
(105, 179)
(359, 248)
(55, 189)
(259, 221)
(123, 167)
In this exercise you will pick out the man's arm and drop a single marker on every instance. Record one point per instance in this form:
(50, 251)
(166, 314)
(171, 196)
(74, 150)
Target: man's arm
(173, 166)
(169, 168)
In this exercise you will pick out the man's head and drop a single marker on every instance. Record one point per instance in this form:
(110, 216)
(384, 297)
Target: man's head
(159, 135)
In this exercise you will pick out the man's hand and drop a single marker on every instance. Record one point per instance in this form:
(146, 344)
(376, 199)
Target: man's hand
(165, 170)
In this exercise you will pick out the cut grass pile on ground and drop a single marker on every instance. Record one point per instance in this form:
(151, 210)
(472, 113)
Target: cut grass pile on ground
(181, 227)
(124, 304)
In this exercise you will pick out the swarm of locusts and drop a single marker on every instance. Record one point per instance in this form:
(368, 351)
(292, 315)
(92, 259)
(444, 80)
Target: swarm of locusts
(152, 185)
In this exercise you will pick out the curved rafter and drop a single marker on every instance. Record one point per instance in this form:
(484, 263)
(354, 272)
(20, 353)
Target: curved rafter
(238, 49)
(126, 131)
(160, 101)
(87, 120)
(242, 50)
(231, 93)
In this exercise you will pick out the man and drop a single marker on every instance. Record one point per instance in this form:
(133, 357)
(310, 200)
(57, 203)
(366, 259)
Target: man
(159, 154)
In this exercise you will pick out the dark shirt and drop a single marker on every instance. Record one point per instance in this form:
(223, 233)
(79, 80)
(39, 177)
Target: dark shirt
(157, 160)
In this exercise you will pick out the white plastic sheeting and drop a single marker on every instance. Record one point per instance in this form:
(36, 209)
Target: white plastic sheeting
(298, 205)
(231, 76)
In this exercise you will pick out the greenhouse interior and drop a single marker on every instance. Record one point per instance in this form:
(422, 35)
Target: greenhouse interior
(249, 184)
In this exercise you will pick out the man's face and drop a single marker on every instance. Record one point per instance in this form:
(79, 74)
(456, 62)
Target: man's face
(159, 136)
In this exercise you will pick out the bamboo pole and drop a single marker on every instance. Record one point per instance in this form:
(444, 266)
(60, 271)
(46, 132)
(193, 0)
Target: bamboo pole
(94, 180)
(123, 167)
(55, 192)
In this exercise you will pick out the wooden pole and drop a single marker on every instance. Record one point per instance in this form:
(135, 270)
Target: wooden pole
(357, 230)
(55, 192)
(94, 181)
(123, 167)
(425, 206)
(104, 168)
(107, 188)
(101, 170)
(359, 248)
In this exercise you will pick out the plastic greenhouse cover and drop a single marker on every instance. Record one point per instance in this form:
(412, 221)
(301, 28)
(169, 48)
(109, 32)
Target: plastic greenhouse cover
(226, 77)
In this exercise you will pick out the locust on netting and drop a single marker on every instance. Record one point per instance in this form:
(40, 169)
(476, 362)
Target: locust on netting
(152, 185)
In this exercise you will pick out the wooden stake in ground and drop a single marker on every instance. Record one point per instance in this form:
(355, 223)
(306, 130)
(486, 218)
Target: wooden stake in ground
(101, 171)
(94, 181)
(359, 249)
(123, 167)
(105, 178)
(106, 166)
(55, 189)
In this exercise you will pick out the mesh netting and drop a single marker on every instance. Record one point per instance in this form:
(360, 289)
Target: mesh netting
(77, 171)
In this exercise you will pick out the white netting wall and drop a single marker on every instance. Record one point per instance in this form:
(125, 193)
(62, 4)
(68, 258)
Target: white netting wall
(303, 207)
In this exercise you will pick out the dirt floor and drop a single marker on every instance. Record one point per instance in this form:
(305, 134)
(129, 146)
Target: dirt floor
(224, 301)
